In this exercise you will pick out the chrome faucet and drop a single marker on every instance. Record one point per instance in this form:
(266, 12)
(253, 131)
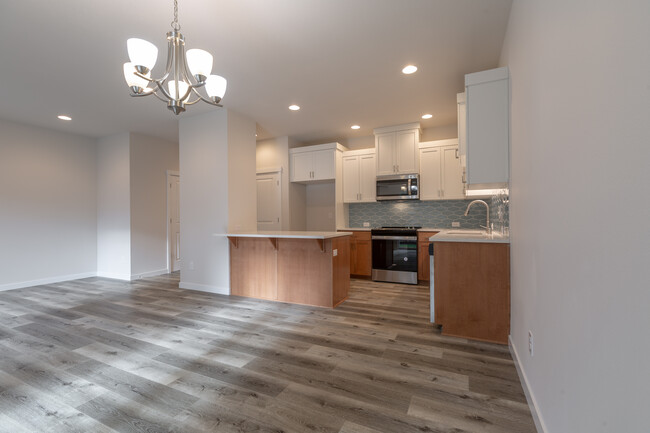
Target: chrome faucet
(487, 227)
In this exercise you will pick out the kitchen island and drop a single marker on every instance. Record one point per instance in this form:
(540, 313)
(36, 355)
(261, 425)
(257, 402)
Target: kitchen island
(299, 267)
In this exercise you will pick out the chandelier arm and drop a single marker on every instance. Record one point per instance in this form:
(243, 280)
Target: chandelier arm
(193, 102)
(144, 77)
(158, 96)
(159, 83)
(208, 101)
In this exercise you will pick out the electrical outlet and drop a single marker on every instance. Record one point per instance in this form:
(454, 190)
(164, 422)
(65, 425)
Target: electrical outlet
(366, 224)
(530, 342)
(335, 252)
(455, 224)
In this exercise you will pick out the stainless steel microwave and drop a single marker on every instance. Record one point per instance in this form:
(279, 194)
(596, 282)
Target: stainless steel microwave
(398, 187)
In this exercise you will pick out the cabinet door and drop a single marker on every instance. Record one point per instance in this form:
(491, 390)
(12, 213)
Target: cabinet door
(301, 166)
(430, 182)
(351, 179)
(367, 178)
(385, 150)
(324, 164)
(353, 256)
(487, 132)
(452, 174)
(364, 258)
(462, 128)
(406, 152)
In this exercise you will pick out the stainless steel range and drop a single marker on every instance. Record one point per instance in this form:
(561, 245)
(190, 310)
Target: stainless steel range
(395, 254)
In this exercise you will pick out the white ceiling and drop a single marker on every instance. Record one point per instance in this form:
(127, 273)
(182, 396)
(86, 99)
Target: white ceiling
(340, 60)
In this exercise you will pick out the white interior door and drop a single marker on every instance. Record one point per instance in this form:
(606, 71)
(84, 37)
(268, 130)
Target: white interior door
(174, 212)
(269, 202)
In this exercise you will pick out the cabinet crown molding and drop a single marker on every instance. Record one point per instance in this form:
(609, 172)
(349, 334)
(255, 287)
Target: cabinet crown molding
(486, 76)
(359, 152)
(326, 146)
(438, 143)
(395, 128)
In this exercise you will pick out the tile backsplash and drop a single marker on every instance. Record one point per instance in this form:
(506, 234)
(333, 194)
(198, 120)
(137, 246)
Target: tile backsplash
(434, 214)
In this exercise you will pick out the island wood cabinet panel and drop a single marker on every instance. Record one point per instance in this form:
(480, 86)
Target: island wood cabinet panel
(301, 271)
(396, 148)
(423, 255)
(441, 175)
(472, 290)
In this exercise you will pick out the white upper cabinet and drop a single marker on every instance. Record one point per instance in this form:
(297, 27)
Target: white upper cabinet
(359, 178)
(462, 129)
(487, 130)
(440, 171)
(397, 149)
(314, 163)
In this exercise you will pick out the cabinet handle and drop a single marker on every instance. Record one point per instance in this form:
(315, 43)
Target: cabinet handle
(398, 168)
(456, 153)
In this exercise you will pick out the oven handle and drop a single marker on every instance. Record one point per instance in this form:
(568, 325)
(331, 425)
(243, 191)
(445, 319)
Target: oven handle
(395, 238)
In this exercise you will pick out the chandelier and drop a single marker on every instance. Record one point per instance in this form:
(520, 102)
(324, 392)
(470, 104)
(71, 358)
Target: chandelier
(185, 73)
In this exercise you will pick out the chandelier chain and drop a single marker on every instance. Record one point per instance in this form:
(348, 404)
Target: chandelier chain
(175, 24)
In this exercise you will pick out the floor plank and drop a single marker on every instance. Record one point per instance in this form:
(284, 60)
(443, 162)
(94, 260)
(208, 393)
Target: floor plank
(104, 355)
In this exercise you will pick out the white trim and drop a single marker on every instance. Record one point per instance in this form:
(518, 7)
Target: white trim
(313, 147)
(438, 143)
(173, 172)
(359, 152)
(205, 288)
(50, 280)
(112, 276)
(268, 170)
(396, 128)
(530, 398)
(149, 274)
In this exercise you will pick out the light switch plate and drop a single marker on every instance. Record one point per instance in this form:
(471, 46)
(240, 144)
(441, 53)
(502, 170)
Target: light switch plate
(335, 252)
(455, 224)
(366, 224)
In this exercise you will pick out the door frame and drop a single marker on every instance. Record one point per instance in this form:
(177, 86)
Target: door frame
(279, 172)
(168, 175)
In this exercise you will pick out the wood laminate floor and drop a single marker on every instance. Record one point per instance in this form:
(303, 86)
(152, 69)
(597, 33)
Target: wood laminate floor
(99, 355)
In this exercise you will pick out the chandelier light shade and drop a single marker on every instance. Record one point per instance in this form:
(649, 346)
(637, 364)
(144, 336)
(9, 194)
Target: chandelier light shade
(185, 73)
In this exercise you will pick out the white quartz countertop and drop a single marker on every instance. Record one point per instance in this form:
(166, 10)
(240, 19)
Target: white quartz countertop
(460, 235)
(357, 229)
(286, 234)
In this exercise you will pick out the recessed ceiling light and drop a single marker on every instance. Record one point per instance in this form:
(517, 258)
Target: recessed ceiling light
(409, 69)
(427, 116)
(355, 127)
(64, 117)
(294, 107)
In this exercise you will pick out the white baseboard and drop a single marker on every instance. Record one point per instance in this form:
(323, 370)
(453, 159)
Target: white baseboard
(204, 288)
(50, 280)
(114, 276)
(149, 274)
(530, 397)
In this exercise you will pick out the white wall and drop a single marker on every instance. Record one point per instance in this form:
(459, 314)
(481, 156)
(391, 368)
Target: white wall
(579, 210)
(47, 206)
(113, 207)
(321, 209)
(206, 144)
(150, 158)
(242, 201)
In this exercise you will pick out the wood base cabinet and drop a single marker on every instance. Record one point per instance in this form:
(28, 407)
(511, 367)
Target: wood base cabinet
(472, 290)
(360, 254)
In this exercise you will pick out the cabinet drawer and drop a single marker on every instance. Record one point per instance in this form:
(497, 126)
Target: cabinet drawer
(361, 236)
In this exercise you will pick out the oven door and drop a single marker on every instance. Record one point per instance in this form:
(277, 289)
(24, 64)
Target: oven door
(395, 259)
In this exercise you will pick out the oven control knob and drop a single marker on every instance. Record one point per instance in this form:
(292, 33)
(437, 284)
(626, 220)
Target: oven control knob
(406, 259)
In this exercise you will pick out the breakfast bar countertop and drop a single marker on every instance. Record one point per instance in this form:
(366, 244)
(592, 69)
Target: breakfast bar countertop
(281, 234)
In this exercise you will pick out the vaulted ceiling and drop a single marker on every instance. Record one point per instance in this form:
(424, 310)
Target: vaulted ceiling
(340, 60)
